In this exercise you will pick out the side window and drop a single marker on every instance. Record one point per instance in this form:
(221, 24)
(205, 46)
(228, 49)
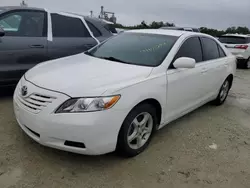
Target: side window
(221, 51)
(94, 30)
(24, 24)
(190, 48)
(210, 49)
(65, 26)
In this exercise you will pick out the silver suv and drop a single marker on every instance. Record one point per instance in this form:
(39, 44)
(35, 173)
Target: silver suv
(239, 45)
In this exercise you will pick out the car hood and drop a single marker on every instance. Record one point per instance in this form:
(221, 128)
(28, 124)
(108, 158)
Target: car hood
(82, 75)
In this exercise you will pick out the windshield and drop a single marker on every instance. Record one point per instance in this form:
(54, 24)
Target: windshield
(234, 40)
(135, 48)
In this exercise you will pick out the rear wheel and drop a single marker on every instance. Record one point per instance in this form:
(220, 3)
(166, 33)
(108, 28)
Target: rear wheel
(247, 63)
(137, 130)
(224, 90)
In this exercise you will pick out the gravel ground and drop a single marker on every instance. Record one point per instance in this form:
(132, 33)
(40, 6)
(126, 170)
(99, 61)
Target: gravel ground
(207, 148)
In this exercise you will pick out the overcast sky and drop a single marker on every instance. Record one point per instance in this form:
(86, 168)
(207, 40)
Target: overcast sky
(218, 14)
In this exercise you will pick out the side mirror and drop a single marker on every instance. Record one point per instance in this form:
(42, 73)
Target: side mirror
(2, 32)
(184, 62)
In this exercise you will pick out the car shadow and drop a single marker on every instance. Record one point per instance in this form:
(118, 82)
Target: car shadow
(6, 92)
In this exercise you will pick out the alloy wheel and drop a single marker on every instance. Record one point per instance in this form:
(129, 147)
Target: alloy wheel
(224, 90)
(140, 130)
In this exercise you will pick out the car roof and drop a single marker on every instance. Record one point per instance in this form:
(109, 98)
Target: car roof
(85, 17)
(9, 8)
(169, 27)
(176, 33)
(236, 35)
(158, 32)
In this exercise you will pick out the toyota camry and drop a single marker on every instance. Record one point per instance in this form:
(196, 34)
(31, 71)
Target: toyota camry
(116, 95)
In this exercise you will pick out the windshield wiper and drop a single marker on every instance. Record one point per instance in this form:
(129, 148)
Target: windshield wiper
(115, 59)
(88, 53)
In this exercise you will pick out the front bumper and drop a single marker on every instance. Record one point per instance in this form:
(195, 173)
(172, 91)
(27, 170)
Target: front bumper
(97, 131)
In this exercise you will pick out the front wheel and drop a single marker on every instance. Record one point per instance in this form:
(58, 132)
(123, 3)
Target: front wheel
(224, 90)
(137, 130)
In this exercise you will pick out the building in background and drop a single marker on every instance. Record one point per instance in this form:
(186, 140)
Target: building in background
(106, 15)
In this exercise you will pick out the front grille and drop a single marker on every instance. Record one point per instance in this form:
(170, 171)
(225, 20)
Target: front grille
(35, 102)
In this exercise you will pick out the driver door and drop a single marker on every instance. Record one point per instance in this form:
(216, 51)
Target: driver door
(185, 86)
(24, 44)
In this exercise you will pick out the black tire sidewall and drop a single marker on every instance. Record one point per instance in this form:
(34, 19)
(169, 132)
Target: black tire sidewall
(122, 144)
(218, 100)
(247, 63)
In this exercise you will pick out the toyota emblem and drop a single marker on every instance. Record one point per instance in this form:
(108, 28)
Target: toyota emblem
(24, 91)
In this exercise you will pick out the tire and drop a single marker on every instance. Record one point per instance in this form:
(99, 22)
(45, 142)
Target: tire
(129, 130)
(224, 90)
(247, 63)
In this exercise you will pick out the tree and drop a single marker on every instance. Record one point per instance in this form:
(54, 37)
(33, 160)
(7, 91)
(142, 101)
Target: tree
(209, 31)
(144, 25)
(212, 32)
(167, 24)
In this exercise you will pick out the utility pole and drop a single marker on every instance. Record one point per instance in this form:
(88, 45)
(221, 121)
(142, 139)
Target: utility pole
(23, 4)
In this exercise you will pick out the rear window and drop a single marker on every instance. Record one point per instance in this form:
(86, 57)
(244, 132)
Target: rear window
(66, 26)
(234, 40)
(110, 28)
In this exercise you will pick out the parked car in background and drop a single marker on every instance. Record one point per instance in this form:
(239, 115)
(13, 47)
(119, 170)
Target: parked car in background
(238, 45)
(182, 29)
(119, 30)
(29, 36)
(117, 94)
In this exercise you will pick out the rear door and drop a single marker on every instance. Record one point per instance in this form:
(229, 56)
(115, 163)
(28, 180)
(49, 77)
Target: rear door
(24, 44)
(70, 36)
(214, 66)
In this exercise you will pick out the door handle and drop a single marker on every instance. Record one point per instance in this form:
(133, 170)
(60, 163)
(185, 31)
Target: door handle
(36, 46)
(204, 70)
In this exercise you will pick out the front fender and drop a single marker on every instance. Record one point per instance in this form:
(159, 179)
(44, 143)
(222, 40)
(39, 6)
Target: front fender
(150, 88)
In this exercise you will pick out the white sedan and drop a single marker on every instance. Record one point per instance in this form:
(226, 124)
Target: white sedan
(116, 95)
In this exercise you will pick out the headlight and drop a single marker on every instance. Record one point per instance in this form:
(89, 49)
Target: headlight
(88, 104)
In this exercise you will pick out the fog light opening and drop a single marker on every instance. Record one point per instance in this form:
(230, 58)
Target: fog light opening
(74, 144)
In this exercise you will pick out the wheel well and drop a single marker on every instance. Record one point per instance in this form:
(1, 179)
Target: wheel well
(157, 107)
(230, 78)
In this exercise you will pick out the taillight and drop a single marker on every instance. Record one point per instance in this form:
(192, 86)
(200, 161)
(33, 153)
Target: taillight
(244, 47)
